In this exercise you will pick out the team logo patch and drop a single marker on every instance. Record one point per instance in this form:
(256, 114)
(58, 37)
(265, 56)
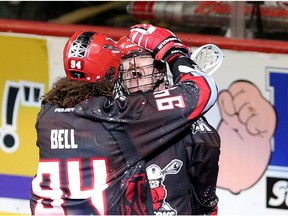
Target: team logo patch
(156, 177)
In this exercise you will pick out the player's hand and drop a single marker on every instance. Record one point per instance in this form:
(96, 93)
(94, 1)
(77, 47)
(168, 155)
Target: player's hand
(160, 41)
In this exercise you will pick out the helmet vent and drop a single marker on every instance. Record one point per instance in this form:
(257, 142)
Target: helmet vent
(79, 46)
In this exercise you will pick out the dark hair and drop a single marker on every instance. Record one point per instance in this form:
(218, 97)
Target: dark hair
(68, 93)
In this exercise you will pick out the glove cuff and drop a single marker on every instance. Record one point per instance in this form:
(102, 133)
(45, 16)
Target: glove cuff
(168, 57)
(167, 53)
(165, 42)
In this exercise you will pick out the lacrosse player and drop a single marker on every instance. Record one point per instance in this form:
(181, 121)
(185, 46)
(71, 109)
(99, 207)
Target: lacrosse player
(92, 147)
(183, 176)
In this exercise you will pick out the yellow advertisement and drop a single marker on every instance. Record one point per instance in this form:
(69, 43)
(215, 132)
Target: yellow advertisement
(24, 78)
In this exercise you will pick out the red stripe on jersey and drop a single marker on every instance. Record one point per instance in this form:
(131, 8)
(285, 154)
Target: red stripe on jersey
(205, 93)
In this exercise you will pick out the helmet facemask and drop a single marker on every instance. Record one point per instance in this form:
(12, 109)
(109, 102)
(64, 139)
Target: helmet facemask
(140, 72)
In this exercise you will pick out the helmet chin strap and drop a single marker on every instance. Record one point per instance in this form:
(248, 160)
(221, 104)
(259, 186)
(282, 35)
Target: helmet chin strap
(158, 83)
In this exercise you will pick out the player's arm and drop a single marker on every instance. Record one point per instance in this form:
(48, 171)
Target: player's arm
(203, 150)
(193, 93)
(153, 119)
(167, 47)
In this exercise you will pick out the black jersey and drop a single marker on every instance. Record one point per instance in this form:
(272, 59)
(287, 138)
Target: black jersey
(183, 176)
(92, 155)
(203, 150)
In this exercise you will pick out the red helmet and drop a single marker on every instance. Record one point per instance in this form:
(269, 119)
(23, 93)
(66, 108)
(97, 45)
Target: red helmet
(91, 56)
(127, 48)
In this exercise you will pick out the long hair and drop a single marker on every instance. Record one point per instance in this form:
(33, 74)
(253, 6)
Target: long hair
(68, 93)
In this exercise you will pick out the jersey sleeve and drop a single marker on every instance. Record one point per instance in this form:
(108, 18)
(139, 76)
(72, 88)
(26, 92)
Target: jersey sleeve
(203, 151)
(185, 70)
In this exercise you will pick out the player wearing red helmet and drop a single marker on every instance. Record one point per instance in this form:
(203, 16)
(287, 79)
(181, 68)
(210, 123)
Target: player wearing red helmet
(182, 177)
(152, 75)
(83, 57)
(91, 147)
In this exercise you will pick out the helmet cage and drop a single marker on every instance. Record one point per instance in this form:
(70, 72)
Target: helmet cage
(126, 75)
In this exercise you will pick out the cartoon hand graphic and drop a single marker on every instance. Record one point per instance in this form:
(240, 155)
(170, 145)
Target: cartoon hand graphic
(247, 125)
